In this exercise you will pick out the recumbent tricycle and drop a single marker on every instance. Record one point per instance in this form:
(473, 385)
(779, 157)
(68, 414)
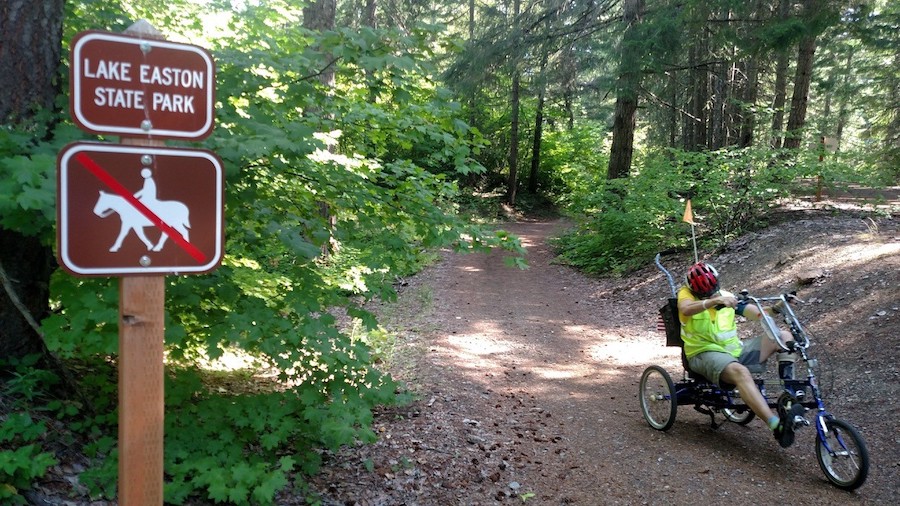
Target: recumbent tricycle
(840, 450)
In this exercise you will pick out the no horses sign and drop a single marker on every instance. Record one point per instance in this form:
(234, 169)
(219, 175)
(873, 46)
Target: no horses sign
(132, 210)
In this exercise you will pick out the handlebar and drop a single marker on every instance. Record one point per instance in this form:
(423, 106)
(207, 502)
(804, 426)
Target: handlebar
(783, 307)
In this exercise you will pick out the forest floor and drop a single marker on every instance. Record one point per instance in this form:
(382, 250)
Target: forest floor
(526, 380)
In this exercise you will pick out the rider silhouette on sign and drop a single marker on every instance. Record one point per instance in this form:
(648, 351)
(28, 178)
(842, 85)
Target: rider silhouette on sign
(147, 194)
(171, 212)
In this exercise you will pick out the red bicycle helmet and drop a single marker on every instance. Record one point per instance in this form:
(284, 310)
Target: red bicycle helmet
(702, 279)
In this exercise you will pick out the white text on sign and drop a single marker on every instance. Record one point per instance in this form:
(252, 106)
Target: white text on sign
(134, 99)
(146, 74)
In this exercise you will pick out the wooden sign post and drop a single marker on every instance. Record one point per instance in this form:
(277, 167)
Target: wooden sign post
(141, 400)
(142, 334)
(146, 89)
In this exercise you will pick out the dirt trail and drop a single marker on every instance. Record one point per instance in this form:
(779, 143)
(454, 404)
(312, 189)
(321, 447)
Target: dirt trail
(527, 385)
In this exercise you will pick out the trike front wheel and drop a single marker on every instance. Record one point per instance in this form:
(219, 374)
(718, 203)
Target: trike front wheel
(842, 455)
(657, 396)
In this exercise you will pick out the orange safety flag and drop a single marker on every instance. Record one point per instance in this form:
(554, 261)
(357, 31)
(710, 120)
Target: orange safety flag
(688, 215)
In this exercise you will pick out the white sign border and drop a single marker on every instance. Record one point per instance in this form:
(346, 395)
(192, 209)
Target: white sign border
(138, 131)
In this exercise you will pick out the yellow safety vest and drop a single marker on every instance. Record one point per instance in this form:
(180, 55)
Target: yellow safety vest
(710, 330)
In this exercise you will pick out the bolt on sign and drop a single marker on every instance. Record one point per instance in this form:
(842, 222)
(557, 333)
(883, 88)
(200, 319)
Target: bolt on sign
(134, 210)
(130, 86)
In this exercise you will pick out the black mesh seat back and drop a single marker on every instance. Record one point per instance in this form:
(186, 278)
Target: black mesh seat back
(669, 316)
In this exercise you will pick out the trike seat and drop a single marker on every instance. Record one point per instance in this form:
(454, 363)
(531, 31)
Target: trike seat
(672, 327)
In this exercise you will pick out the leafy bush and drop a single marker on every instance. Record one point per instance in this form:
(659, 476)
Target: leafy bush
(624, 223)
(22, 458)
(365, 172)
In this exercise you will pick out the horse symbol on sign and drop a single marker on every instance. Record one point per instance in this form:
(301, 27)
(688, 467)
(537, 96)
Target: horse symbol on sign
(171, 212)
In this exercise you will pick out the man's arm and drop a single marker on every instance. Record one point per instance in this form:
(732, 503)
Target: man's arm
(691, 307)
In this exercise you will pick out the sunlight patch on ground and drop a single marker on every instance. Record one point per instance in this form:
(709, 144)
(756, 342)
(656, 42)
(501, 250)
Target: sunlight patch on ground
(864, 253)
(558, 372)
(476, 345)
(474, 349)
(627, 352)
(525, 242)
(469, 268)
(231, 360)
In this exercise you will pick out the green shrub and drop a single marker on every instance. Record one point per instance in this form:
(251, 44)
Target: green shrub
(622, 224)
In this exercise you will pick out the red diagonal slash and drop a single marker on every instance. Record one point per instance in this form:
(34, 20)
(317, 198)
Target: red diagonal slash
(117, 187)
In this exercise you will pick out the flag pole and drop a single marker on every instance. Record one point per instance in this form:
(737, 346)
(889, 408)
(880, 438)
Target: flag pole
(694, 238)
(689, 218)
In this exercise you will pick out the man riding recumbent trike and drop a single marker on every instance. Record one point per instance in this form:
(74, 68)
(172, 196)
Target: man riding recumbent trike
(722, 372)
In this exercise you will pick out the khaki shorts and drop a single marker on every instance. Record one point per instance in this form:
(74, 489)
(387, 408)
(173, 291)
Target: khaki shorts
(710, 364)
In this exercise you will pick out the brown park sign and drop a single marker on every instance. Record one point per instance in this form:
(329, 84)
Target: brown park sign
(139, 87)
(133, 210)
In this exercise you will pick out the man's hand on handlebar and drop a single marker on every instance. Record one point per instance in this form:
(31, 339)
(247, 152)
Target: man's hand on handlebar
(720, 301)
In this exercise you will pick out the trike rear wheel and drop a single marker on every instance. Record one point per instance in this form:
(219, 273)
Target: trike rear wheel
(739, 417)
(842, 455)
(657, 396)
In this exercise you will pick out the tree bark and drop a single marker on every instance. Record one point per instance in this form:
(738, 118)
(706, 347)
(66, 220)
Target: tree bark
(30, 36)
(319, 16)
(892, 134)
(748, 114)
(802, 80)
(512, 182)
(538, 127)
(629, 81)
(369, 14)
(30, 43)
(844, 99)
(780, 99)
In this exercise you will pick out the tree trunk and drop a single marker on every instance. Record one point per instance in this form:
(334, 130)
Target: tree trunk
(748, 108)
(30, 43)
(802, 79)
(696, 122)
(536, 145)
(570, 84)
(512, 182)
(722, 80)
(629, 81)
(844, 99)
(780, 88)
(688, 121)
(892, 134)
(538, 128)
(369, 14)
(780, 99)
(319, 16)
(673, 111)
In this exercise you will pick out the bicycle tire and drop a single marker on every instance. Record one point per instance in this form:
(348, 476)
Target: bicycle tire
(657, 398)
(842, 455)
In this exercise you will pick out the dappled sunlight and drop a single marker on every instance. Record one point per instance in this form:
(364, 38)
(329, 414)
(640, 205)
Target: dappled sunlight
(232, 359)
(474, 349)
(628, 352)
(526, 241)
(835, 256)
(476, 346)
(860, 253)
(470, 268)
(559, 372)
